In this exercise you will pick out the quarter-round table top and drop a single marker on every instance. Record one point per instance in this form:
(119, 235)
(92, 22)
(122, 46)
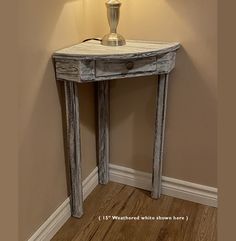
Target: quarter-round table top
(133, 48)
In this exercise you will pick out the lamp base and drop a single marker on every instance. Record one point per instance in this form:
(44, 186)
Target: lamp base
(113, 39)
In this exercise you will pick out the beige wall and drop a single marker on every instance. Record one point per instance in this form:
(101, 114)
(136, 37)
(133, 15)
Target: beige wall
(45, 26)
(191, 138)
(8, 123)
(190, 152)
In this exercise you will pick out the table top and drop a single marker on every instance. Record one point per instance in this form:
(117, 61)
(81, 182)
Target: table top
(94, 49)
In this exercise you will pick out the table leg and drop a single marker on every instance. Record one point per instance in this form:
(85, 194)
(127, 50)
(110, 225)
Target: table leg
(103, 131)
(159, 134)
(73, 146)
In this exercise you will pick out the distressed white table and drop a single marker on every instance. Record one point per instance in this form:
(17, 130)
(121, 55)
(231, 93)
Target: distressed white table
(90, 61)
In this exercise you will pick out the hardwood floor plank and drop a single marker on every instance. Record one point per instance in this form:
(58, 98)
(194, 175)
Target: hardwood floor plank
(119, 200)
(100, 197)
(139, 205)
(207, 225)
(97, 229)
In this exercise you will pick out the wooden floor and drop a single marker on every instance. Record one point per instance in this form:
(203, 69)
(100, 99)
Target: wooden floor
(120, 200)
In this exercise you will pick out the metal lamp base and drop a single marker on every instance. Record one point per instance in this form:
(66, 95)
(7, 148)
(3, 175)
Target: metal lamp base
(113, 39)
(113, 15)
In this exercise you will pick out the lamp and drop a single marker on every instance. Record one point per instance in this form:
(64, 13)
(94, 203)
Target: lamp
(113, 14)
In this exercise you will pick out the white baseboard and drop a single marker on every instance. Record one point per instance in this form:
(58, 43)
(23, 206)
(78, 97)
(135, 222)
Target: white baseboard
(90, 183)
(170, 186)
(63, 212)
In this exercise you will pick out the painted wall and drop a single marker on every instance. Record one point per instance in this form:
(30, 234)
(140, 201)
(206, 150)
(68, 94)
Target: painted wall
(191, 131)
(45, 26)
(9, 123)
(190, 150)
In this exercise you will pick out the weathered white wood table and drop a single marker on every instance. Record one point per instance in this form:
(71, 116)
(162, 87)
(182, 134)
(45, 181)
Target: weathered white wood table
(91, 61)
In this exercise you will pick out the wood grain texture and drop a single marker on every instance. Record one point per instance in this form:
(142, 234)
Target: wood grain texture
(133, 48)
(121, 200)
(73, 146)
(73, 69)
(103, 131)
(105, 68)
(91, 61)
(67, 69)
(159, 135)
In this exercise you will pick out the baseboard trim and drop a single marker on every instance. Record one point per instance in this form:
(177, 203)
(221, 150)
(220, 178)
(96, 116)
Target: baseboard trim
(90, 183)
(170, 186)
(51, 226)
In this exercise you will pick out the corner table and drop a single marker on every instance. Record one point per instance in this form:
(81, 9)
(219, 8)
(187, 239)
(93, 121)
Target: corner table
(92, 62)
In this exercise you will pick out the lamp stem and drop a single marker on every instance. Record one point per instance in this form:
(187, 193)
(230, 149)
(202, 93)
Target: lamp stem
(113, 15)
